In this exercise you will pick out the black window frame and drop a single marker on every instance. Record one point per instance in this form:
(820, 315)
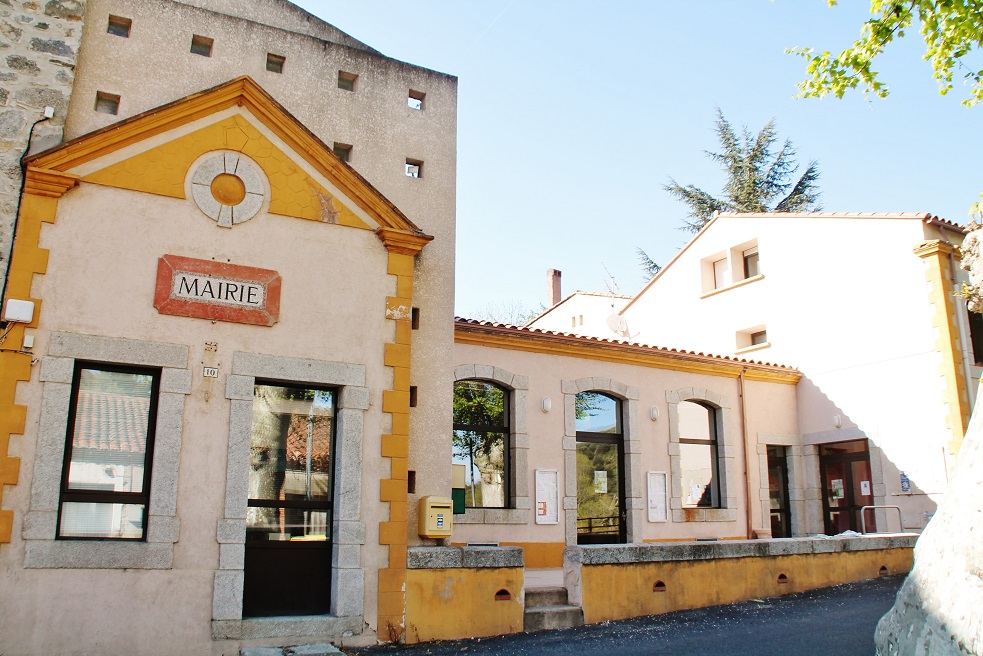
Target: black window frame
(747, 257)
(506, 430)
(68, 495)
(715, 501)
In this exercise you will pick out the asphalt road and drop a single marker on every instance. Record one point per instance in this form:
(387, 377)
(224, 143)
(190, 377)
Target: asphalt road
(836, 621)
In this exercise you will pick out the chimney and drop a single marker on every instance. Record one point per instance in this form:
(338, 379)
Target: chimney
(553, 295)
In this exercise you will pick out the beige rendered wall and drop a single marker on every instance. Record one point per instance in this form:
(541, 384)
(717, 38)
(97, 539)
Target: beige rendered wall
(374, 119)
(843, 299)
(104, 248)
(583, 313)
(771, 408)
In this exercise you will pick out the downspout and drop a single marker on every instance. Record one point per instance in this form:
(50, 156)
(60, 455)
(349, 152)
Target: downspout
(965, 342)
(747, 454)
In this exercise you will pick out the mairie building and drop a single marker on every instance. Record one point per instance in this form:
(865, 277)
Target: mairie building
(237, 411)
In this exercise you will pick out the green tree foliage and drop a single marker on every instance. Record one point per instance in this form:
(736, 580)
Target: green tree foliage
(479, 409)
(951, 29)
(647, 264)
(760, 177)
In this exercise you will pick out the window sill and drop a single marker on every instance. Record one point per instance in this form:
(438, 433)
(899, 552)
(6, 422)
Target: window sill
(492, 516)
(705, 515)
(739, 283)
(94, 554)
(754, 347)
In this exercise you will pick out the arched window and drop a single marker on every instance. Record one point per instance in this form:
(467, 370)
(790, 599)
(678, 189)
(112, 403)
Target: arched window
(600, 458)
(481, 442)
(698, 455)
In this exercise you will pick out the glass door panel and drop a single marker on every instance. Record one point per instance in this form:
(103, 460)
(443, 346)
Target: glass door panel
(863, 494)
(599, 517)
(837, 504)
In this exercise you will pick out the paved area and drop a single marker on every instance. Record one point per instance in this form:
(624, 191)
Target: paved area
(838, 621)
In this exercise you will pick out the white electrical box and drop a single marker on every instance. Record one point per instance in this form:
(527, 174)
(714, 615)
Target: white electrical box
(18, 311)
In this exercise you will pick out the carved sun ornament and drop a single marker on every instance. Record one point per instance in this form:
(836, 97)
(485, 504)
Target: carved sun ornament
(228, 189)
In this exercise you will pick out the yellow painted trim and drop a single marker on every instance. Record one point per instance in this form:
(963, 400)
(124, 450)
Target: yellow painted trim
(938, 256)
(162, 170)
(42, 188)
(445, 604)
(615, 592)
(593, 349)
(243, 92)
(403, 247)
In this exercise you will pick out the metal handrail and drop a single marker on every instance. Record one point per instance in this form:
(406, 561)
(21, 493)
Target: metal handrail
(863, 518)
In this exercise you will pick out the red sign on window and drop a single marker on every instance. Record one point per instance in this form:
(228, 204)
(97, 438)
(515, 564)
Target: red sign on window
(219, 291)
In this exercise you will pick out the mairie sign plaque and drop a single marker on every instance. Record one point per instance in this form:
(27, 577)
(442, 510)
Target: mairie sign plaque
(219, 291)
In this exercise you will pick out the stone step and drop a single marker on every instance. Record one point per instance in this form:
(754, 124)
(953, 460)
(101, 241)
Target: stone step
(552, 617)
(538, 597)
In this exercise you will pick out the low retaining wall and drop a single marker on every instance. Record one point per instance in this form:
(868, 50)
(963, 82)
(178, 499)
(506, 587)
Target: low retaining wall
(463, 592)
(613, 582)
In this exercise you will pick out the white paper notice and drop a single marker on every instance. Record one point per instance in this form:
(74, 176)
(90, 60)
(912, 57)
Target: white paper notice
(546, 497)
(657, 508)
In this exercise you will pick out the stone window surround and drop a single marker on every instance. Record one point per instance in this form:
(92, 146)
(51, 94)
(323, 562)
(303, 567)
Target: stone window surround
(518, 387)
(804, 490)
(347, 574)
(42, 550)
(727, 465)
(631, 434)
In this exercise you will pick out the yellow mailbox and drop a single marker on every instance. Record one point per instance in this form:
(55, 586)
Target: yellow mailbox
(436, 517)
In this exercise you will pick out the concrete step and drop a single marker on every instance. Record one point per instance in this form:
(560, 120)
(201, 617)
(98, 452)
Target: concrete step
(552, 617)
(538, 597)
(319, 649)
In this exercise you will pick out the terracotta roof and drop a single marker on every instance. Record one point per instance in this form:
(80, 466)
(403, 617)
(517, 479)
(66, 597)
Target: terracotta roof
(924, 216)
(520, 331)
(111, 422)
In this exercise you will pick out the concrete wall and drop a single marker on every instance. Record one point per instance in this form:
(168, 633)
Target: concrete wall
(615, 583)
(454, 593)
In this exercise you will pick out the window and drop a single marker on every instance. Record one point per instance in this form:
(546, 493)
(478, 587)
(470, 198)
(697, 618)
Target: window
(414, 168)
(698, 455)
(201, 45)
(107, 103)
(751, 338)
(481, 443)
(415, 100)
(346, 81)
(119, 26)
(600, 457)
(289, 515)
(760, 337)
(751, 262)
(721, 274)
(105, 487)
(274, 63)
(343, 151)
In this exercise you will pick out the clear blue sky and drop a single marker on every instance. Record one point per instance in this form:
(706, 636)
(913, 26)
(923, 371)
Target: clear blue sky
(573, 114)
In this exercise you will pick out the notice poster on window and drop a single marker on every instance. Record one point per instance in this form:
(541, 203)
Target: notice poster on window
(836, 487)
(547, 503)
(600, 482)
(865, 488)
(657, 501)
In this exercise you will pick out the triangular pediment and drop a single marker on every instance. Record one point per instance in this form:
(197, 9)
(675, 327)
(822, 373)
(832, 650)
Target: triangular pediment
(154, 153)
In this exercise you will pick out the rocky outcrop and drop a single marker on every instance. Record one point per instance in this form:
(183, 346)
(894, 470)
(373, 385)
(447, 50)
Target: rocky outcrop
(939, 609)
(39, 44)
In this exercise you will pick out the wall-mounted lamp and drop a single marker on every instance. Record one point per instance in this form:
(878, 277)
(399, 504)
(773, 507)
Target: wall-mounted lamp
(653, 413)
(837, 421)
(547, 404)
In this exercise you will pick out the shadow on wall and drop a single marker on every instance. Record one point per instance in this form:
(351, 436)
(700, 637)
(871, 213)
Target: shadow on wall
(856, 470)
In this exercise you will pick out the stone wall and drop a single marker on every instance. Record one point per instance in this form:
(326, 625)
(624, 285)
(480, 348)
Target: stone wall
(939, 609)
(39, 44)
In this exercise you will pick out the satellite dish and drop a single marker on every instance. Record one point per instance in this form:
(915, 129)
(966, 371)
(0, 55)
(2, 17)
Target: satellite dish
(617, 323)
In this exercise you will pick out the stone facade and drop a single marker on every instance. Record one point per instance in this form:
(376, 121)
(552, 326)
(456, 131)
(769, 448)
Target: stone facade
(39, 43)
